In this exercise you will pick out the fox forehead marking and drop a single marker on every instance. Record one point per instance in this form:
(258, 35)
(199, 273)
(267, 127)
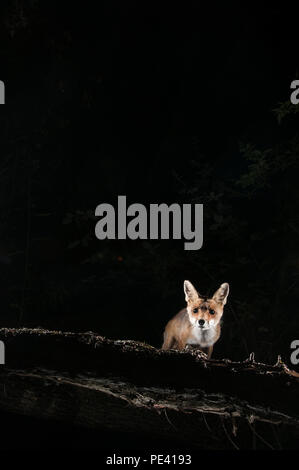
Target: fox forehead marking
(204, 304)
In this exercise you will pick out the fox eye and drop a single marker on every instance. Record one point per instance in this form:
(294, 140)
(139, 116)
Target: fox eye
(212, 312)
(195, 310)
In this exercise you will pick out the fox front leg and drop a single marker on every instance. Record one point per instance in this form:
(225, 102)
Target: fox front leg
(208, 351)
(179, 344)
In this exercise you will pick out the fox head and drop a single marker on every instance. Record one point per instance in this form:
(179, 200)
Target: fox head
(205, 313)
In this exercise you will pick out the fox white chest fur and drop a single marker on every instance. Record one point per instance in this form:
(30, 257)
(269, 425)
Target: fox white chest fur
(203, 338)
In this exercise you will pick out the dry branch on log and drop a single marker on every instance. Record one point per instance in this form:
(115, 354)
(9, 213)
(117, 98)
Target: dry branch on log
(91, 381)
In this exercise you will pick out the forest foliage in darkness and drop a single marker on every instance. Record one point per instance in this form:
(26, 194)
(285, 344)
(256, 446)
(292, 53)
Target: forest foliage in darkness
(60, 159)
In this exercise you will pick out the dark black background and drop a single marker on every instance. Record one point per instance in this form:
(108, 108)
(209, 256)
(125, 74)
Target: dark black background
(105, 99)
(155, 103)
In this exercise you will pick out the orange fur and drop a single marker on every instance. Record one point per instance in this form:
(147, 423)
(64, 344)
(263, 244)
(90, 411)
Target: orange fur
(199, 322)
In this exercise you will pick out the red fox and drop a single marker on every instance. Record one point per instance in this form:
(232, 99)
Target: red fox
(199, 322)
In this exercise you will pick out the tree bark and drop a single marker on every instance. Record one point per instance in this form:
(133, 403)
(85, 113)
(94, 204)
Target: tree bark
(91, 381)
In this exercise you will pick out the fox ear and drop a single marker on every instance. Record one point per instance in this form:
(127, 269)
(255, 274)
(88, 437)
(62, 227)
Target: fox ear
(221, 294)
(190, 292)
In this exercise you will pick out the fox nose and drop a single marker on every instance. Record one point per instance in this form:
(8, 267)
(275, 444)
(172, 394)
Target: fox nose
(201, 322)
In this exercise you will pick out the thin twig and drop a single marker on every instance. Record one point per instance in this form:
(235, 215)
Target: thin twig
(228, 436)
(171, 424)
(260, 437)
(206, 423)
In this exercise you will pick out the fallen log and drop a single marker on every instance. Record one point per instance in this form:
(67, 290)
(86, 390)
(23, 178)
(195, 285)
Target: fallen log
(91, 381)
